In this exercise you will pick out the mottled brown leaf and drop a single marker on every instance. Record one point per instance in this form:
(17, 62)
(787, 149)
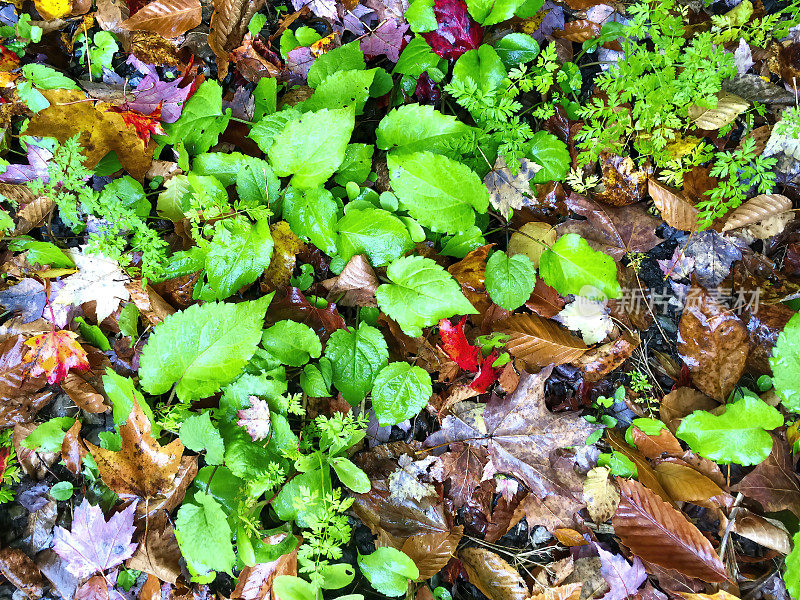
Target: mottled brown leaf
(284, 257)
(167, 18)
(432, 551)
(540, 342)
(773, 483)
(255, 583)
(492, 575)
(470, 273)
(228, 26)
(658, 533)
(463, 466)
(21, 572)
(570, 591)
(152, 307)
(290, 303)
(675, 208)
(623, 183)
(20, 398)
(655, 446)
(578, 31)
(355, 285)
(72, 450)
(729, 106)
(600, 494)
(600, 361)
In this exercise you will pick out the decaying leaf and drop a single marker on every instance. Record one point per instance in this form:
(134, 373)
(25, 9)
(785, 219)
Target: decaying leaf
(492, 575)
(773, 483)
(167, 18)
(507, 190)
(766, 215)
(228, 26)
(676, 209)
(729, 106)
(355, 285)
(598, 362)
(539, 342)
(623, 183)
(600, 494)
(54, 353)
(158, 555)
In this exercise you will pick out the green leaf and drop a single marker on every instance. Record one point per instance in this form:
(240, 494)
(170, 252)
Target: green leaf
(62, 490)
(357, 164)
(129, 321)
(571, 266)
(239, 253)
(202, 120)
(33, 98)
(198, 433)
(173, 201)
(792, 574)
(420, 16)
(48, 436)
(267, 129)
(785, 363)
(202, 348)
(483, 66)
(43, 253)
(130, 194)
(312, 214)
(256, 24)
(416, 58)
(510, 279)
(342, 89)
(421, 294)
(312, 147)
(289, 587)
(47, 78)
(292, 343)
(316, 380)
(529, 8)
(517, 48)
(256, 182)
(400, 392)
(416, 128)
(463, 243)
(122, 392)
(374, 232)
(265, 97)
(491, 12)
(388, 570)
(440, 193)
(204, 536)
(350, 475)
(552, 154)
(93, 334)
(337, 576)
(317, 481)
(344, 58)
(739, 435)
(357, 355)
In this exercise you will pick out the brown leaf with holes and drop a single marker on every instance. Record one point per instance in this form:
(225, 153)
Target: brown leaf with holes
(355, 285)
(600, 494)
(676, 209)
(228, 27)
(540, 342)
(773, 483)
(684, 483)
(600, 361)
(713, 344)
(142, 467)
(167, 18)
(658, 533)
(492, 575)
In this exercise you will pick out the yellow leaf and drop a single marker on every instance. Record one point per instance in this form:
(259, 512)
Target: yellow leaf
(53, 9)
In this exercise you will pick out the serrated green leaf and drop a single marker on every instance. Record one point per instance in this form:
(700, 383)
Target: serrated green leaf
(400, 392)
(416, 128)
(416, 58)
(571, 266)
(421, 294)
(267, 129)
(43, 253)
(552, 154)
(344, 58)
(239, 253)
(342, 89)
(198, 433)
(202, 120)
(202, 348)
(204, 536)
(440, 193)
(374, 232)
(739, 435)
(312, 214)
(292, 343)
(314, 383)
(319, 481)
(255, 181)
(785, 364)
(509, 279)
(388, 570)
(420, 16)
(312, 147)
(47, 78)
(357, 164)
(357, 355)
(173, 201)
(491, 12)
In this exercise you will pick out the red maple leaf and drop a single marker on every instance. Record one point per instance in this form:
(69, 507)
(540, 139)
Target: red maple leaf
(54, 354)
(456, 32)
(487, 375)
(456, 346)
(145, 125)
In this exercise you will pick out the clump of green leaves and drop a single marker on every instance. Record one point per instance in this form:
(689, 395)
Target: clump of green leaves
(9, 467)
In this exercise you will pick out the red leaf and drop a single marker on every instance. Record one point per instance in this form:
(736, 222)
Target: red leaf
(145, 125)
(54, 353)
(487, 375)
(457, 32)
(4, 452)
(456, 346)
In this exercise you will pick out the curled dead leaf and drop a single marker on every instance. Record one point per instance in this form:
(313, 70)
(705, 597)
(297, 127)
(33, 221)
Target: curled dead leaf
(729, 106)
(540, 342)
(492, 575)
(675, 208)
(167, 18)
(355, 285)
(600, 361)
(228, 26)
(600, 494)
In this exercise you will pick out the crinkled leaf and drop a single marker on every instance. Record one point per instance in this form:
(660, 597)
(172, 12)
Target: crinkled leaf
(400, 392)
(357, 355)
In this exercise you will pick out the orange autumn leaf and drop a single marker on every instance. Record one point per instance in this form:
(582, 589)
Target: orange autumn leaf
(54, 353)
(145, 125)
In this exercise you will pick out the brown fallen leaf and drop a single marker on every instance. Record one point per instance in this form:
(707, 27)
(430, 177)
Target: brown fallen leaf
(228, 25)
(284, 257)
(681, 402)
(100, 131)
(470, 273)
(152, 307)
(713, 344)
(463, 466)
(655, 446)
(600, 494)
(623, 183)
(21, 572)
(158, 554)
(255, 583)
(729, 106)
(646, 474)
(540, 342)
(684, 483)
(720, 595)
(509, 191)
(578, 31)
(290, 303)
(769, 533)
(492, 575)
(756, 210)
(355, 285)
(20, 395)
(532, 239)
(764, 325)
(570, 591)
(142, 467)
(545, 301)
(167, 18)
(72, 451)
(658, 533)
(773, 483)
(432, 551)
(677, 210)
(600, 361)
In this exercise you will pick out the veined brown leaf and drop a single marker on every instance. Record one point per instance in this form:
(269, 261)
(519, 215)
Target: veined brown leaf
(355, 285)
(684, 483)
(646, 474)
(675, 208)
(578, 31)
(769, 533)
(569, 591)
(540, 342)
(228, 25)
(658, 533)
(492, 575)
(758, 209)
(34, 213)
(729, 106)
(167, 18)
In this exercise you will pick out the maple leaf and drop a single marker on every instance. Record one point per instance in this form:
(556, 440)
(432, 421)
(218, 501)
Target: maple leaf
(487, 374)
(256, 419)
(623, 578)
(321, 8)
(506, 190)
(54, 353)
(456, 346)
(27, 298)
(99, 279)
(145, 125)
(152, 93)
(386, 39)
(142, 467)
(520, 434)
(94, 544)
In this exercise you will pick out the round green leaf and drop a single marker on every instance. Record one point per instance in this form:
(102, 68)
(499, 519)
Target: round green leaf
(357, 355)
(62, 490)
(374, 232)
(400, 392)
(517, 48)
(292, 343)
(785, 363)
(552, 154)
(571, 266)
(388, 570)
(509, 279)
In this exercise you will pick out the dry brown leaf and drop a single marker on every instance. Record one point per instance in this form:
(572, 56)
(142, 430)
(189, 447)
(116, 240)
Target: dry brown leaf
(578, 31)
(492, 575)
(470, 273)
(167, 18)
(655, 446)
(569, 537)
(570, 591)
(713, 344)
(600, 361)
(151, 306)
(110, 13)
(506, 190)
(763, 214)
(600, 495)
(21, 572)
(228, 26)
(72, 451)
(432, 551)
(646, 474)
(158, 555)
(142, 467)
(255, 583)
(675, 208)
(658, 533)
(720, 595)
(729, 106)
(681, 402)
(20, 398)
(532, 239)
(769, 533)
(540, 342)
(684, 483)
(623, 183)
(773, 483)
(355, 285)
(284, 257)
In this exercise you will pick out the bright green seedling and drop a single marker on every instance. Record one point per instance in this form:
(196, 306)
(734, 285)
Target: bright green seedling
(388, 570)
(785, 363)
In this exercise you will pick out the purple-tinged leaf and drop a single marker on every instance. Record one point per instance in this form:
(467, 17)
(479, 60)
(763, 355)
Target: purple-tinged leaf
(743, 57)
(26, 298)
(256, 419)
(152, 93)
(321, 8)
(623, 578)
(386, 39)
(94, 545)
(35, 169)
(299, 61)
